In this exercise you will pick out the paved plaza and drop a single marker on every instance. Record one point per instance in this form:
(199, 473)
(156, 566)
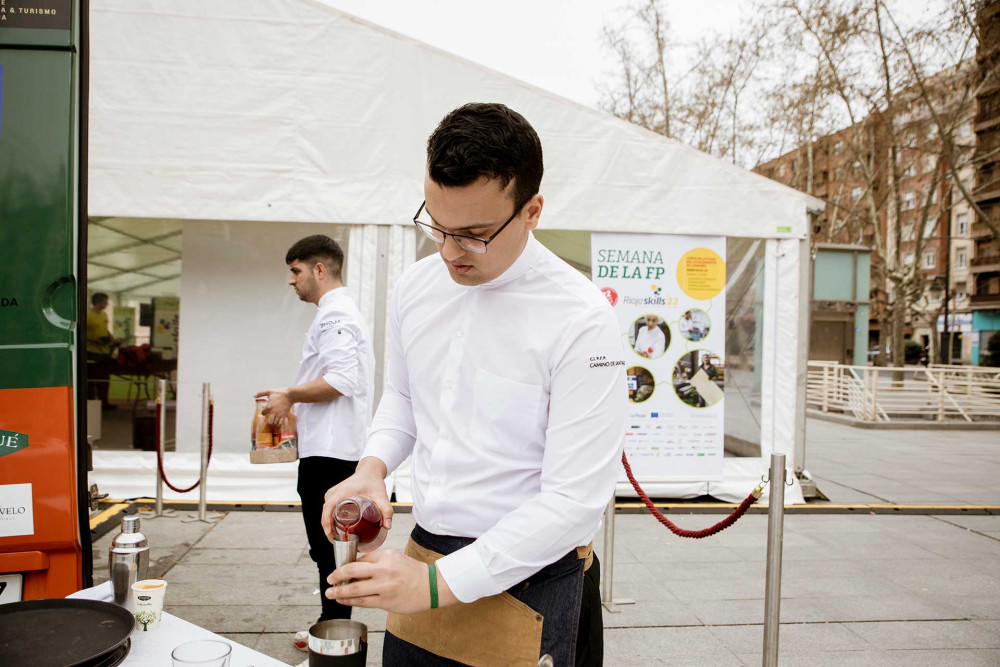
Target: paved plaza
(858, 588)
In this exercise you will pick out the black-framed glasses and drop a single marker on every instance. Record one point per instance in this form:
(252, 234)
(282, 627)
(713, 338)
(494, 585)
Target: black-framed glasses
(425, 223)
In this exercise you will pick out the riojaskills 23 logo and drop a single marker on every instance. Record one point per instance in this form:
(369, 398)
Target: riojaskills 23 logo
(610, 294)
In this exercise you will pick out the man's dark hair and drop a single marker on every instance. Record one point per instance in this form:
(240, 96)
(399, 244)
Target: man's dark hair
(489, 140)
(98, 296)
(318, 248)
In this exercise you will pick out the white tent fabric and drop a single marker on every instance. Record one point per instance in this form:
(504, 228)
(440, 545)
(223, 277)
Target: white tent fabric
(291, 111)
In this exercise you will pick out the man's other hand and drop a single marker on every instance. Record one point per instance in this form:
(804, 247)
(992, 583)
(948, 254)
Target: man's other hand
(278, 405)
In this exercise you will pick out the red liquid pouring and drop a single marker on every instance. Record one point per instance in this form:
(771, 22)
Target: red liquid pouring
(361, 517)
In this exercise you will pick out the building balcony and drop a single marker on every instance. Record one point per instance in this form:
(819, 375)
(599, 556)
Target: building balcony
(984, 301)
(987, 263)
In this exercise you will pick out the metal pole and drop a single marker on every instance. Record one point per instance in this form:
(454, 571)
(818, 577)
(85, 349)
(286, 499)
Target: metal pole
(206, 397)
(161, 403)
(608, 563)
(161, 399)
(772, 585)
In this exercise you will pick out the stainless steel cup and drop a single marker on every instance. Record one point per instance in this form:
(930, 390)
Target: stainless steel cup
(338, 643)
(345, 550)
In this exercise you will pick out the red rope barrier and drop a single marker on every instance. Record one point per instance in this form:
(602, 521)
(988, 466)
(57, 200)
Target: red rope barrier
(159, 446)
(695, 534)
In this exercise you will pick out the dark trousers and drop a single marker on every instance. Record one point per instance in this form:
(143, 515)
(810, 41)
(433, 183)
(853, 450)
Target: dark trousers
(316, 475)
(555, 592)
(590, 636)
(98, 375)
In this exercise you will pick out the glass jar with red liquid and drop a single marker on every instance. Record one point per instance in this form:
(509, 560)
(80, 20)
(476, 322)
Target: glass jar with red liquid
(361, 517)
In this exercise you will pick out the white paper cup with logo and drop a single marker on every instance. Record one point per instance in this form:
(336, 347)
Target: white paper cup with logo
(147, 601)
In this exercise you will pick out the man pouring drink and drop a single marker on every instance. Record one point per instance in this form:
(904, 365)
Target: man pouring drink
(514, 430)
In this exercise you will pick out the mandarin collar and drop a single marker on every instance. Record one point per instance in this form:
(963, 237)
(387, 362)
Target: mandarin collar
(526, 261)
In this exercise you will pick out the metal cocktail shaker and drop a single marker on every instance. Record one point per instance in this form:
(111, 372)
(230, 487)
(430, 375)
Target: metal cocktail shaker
(128, 560)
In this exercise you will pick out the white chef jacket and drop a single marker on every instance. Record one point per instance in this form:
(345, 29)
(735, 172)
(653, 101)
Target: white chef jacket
(650, 338)
(686, 326)
(511, 397)
(337, 348)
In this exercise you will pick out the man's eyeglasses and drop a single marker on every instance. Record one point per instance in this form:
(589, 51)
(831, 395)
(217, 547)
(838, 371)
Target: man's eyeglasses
(425, 223)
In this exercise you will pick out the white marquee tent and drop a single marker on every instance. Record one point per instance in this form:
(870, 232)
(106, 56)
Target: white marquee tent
(255, 123)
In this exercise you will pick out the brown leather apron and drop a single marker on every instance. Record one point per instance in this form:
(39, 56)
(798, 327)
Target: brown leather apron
(496, 630)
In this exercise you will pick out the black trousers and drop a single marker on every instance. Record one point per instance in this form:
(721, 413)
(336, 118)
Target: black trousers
(590, 636)
(316, 475)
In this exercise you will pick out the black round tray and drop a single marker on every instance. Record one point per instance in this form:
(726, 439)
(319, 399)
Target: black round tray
(64, 633)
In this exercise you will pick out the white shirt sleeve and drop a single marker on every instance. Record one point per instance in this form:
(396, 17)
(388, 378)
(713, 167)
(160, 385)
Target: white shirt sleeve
(338, 352)
(640, 340)
(659, 342)
(583, 447)
(394, 430)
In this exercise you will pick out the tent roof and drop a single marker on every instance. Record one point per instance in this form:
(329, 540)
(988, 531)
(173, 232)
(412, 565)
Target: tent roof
(139, 258)
(292, 111)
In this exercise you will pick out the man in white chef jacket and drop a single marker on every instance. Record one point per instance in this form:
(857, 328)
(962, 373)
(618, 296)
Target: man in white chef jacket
(332, 395)
(650, 341)
(506, 385)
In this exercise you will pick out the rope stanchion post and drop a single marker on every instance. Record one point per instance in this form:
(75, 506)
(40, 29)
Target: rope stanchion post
(608, 563)
(161, 438)
(206, 452)
(772, 585)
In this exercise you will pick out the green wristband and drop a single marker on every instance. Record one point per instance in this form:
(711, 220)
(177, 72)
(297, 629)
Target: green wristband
(432, 574)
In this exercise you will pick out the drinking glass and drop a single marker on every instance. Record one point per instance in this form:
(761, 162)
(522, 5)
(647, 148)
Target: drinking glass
(202, 653)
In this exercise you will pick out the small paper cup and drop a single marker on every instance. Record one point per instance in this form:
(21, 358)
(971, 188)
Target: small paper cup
(147, 601)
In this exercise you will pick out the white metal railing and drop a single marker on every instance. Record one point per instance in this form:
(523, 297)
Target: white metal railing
(875, 394)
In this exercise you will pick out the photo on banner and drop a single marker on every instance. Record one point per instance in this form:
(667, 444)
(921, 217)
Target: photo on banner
(669, 295)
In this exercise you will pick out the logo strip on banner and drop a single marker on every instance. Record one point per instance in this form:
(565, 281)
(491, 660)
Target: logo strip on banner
(669, 295)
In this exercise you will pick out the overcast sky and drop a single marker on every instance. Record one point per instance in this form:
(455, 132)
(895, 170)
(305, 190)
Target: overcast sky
(553, 44)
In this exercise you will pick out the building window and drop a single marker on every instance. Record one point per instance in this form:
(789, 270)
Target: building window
(781, 171)
(932, 132)
(838, 148)
(962, 226)
(934, 196)
(908, 259)
(930, 226)
(856, 167)
(961, 260)
(910, 171)
(909, 200)
(930, 260)
(960, 296)
(856, 193)
(965, 130)
(930, 162)
(908, 232)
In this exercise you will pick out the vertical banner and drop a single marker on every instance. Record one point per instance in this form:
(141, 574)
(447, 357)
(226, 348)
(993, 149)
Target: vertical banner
(124, 324)
(166, 325)
(669, 293)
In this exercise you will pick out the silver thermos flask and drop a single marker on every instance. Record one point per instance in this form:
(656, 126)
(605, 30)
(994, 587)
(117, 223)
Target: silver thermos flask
(128, 560)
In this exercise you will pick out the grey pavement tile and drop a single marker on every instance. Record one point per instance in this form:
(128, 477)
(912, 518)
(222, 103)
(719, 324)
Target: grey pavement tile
(981, 607)
(719, 588)
(274, 557)
(248, 639)
(795, 638)
(665, 646)
(927, 635)
(649, 613)
(223, 618)
(854, 585)
(906, 606)
(209, 591)
(278, 645)
(240, 574)
(903, 658)
(738, 612)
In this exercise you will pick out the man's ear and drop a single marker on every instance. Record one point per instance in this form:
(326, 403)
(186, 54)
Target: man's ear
(533, 209)
(319, 270)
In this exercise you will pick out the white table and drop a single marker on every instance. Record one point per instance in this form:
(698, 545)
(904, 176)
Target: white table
(153, 648)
